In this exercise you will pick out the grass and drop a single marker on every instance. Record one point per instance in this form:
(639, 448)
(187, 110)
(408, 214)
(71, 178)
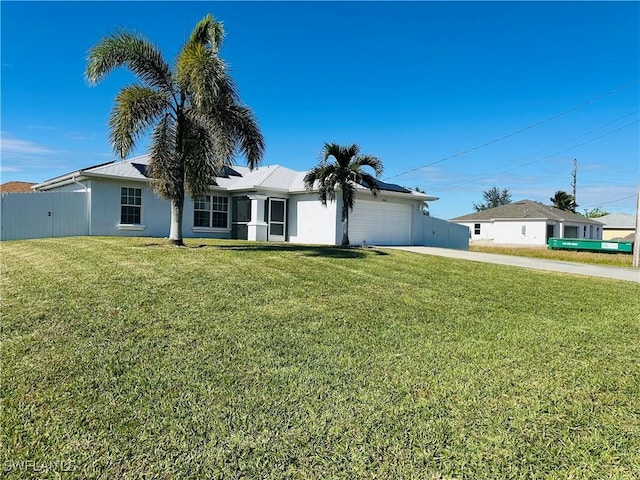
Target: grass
(127, 358)
(612, 259)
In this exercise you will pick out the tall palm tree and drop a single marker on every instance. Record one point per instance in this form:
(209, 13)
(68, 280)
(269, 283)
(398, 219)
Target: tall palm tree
(564, 201)
(344, 173)
(193, 110)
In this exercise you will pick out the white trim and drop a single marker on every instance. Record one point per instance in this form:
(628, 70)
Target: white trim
(210, 230)
(211, 211)
(131, 226)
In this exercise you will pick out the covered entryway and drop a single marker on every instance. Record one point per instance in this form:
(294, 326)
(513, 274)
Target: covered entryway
(380, 223)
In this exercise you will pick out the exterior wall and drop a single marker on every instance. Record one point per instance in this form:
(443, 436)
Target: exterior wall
(311, 222)
(44, 214)
(486, 230)
(81, 186)
(155, 213)
(610, 233)
(520, 232)
(386, 220)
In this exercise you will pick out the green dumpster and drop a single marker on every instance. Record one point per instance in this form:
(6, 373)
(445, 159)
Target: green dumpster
(590, 245)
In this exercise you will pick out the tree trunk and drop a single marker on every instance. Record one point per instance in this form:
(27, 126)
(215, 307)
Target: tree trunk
(345, 229)
(175, 235)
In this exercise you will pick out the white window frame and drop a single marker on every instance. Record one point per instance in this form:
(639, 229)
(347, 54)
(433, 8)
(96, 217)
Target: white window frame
(211, 200)
(125, 225)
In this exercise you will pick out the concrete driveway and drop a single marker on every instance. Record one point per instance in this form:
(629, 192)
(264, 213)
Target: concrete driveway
(615, 273)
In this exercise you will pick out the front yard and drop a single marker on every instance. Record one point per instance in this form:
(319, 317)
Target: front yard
(127, 358)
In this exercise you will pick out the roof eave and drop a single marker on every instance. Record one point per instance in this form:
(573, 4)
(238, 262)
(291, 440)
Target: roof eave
(59, 181)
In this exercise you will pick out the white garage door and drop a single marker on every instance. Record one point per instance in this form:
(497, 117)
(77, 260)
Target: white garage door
(380, 223)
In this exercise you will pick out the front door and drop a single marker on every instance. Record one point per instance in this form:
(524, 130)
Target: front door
(240, 217)
(277, 216)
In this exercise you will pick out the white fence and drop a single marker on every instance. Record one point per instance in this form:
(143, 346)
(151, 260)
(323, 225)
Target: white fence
(440, 233)
(44, 214)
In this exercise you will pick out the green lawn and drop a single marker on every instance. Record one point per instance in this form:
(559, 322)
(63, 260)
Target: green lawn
(128, 358)
(580, 256)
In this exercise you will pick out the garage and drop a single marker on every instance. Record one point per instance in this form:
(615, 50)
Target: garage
(380, 223)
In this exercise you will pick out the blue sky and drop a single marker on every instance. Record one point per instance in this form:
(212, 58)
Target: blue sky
(414, 83)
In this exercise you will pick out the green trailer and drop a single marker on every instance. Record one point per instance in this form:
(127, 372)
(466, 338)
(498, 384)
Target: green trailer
(610, 246)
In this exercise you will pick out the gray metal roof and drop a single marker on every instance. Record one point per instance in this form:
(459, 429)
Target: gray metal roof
(274, 178)
(525, 209)
(618, 220)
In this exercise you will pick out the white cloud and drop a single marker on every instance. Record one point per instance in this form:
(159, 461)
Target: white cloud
(15, 146)
(79, 136)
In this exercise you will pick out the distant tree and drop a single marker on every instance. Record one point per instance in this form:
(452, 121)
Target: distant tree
(494, 197)
(564, 201)
(344, 174)
(425, 207)
(595, 212)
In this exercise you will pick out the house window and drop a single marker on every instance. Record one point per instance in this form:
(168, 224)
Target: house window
(130, 205)
(584, 231)
(476, 229)
(211, 211)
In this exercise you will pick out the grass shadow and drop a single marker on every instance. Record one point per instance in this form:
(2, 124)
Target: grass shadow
(304, 250)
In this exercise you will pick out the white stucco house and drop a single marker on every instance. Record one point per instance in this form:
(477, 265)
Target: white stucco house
(267, 204)
(528, 223)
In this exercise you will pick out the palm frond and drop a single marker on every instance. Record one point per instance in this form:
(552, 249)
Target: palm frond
(246, 133)
(203, 76)
(344, 173)
(208, 31)
(164, 166)
(374, 163)
(202, 164)
(371, 182)
(136, 109)
(132, 51)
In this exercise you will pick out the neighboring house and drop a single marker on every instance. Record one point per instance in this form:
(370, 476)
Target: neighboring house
(266, 204)
(13, 187)
(528, 223)
(618, 226)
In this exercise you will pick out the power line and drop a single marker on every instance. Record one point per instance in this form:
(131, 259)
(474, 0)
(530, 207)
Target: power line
(555, 153)
(612, 201)
(517, 132)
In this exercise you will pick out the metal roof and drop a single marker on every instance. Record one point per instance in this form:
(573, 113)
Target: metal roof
(618, 220)
(237, 178)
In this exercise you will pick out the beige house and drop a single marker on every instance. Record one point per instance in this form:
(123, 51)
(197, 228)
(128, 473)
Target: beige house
(618, 226)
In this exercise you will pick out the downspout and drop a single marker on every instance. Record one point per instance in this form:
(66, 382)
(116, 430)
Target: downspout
(88, 192)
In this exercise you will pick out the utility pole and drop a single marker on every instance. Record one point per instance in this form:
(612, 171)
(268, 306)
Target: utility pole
(574, 175)
(636, 243)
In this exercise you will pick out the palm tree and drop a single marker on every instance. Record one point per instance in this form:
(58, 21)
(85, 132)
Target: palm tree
(193, 110)
(344, 174)
(564, 201)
